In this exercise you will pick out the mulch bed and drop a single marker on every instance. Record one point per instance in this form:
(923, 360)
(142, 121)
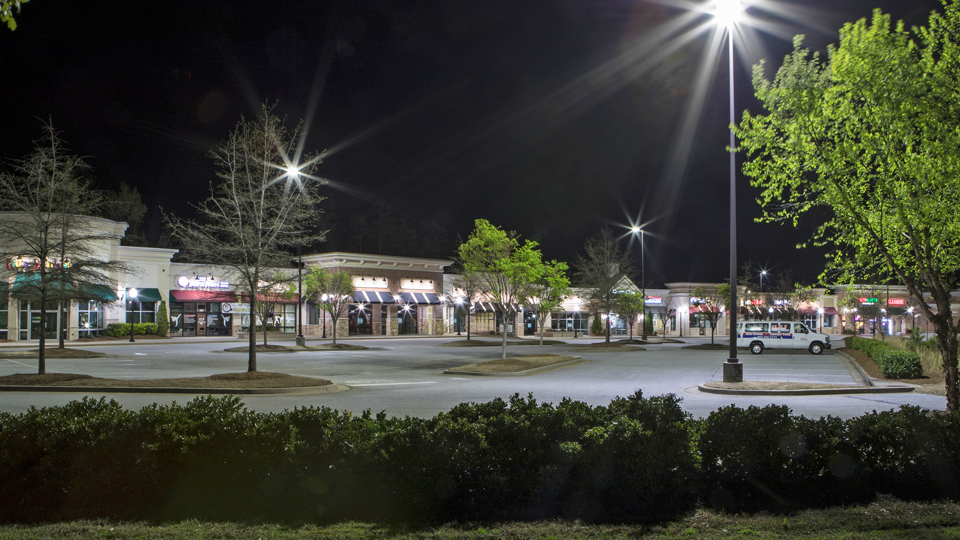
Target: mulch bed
(514, 364)
(50, 352)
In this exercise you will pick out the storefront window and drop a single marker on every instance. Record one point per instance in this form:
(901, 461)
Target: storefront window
(91, 319)
(568, 321)
(360, 320)
(4, 307)
(141, 312)
(408, 319)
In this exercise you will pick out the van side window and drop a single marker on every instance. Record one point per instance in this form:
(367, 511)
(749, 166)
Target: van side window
(799, 328)
(756, 327)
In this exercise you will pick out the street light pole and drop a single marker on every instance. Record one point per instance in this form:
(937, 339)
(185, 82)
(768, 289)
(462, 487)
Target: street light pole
(301, 341)
(643, 288)
(131, 297)
(323, 314)
(732, 368)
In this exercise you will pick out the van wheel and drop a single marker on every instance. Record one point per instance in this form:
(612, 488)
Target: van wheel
(756, 347)
(816, 347)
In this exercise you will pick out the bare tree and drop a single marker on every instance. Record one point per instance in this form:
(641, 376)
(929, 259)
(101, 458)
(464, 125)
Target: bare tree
(49, 235)
(272, 291)
(605, 264)
(262, 207)
(712, 304)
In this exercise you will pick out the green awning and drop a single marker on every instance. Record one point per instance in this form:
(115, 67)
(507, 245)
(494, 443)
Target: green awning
(100, 293)
(149, 295)
(27, 285)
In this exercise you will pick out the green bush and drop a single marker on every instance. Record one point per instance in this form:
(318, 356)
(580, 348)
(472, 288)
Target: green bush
(163, 320)
(123, 329)
(637, 459)
(897, 364)
(893, 363)
(596, 328)
(764, 458)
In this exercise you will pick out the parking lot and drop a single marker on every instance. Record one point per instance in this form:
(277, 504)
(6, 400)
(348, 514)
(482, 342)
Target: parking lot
(405, 376)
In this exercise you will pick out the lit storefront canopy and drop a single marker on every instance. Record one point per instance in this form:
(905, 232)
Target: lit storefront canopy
(28, 285)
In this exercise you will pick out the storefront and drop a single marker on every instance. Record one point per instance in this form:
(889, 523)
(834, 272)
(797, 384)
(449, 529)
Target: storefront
(206, 313)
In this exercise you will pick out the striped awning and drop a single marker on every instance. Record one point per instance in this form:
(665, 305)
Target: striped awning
(419, 298)
(374, 297)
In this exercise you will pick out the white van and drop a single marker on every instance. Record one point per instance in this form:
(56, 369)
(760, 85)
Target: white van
(760, 335)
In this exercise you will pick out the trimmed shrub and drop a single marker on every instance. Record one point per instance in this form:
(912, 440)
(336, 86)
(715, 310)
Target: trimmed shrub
(163, 320)
(897, 364)
(596, 328)
(765, 459)
(123, 329)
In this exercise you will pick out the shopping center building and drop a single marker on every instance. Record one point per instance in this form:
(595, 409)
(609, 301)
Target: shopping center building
(397, 296)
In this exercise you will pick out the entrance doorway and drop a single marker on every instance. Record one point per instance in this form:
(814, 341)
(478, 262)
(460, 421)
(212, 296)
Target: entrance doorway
(32, 323)
(529, 323)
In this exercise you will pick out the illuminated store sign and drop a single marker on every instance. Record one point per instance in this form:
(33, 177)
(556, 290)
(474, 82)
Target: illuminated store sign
(655, 300)
(895, 302)
(868, 301)
(21, 263)
(201, 282)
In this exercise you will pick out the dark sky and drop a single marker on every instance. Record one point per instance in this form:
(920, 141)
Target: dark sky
(551, 118)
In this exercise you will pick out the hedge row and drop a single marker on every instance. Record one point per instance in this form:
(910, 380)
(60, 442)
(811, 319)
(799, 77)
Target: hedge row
(123, 329)
(893, 363)
(636, 459)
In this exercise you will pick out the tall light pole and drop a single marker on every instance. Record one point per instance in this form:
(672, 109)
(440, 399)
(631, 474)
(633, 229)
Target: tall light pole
(323, 314)
(643, 283)
(131, 297)
(301, 341)
(762, 273)
(726, 12)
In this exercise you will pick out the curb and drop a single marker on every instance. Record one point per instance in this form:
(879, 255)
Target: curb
(854, 368)
(328, 389)
(532, 371)
(810, 392)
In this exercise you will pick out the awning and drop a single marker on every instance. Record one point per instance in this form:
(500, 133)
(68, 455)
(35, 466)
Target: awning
(202, 296)
(830, 311)
(806, 310)
(27, 285)
(483, 307)
(149, 295)
(374, 297)
(419, 298)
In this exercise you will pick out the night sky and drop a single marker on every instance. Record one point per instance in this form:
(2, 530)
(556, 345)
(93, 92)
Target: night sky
(551, 118)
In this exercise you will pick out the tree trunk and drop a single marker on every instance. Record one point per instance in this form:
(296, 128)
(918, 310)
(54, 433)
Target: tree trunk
(503, 347)
(541, 320)
(468, 324)
(42, 357)
(252, 354)
(608, 329)
(334, 330)
(631, 331)
(62, 325)
(947, 343)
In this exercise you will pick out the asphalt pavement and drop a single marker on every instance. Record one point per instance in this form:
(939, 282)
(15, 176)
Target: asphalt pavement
(404, 376)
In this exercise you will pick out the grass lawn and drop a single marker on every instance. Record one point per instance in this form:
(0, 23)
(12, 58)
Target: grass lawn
(514, 364)
(885, 519)
(256, 379)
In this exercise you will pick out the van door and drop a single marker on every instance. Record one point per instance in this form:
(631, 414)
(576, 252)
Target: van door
(801, 336)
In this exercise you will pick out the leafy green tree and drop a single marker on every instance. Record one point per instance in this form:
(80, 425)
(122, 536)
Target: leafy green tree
(549, 291)
(871, 135)
(506, 269)
(262, 207)
(332, 290)
(6, 12)
(601, 269)
(629, 307)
